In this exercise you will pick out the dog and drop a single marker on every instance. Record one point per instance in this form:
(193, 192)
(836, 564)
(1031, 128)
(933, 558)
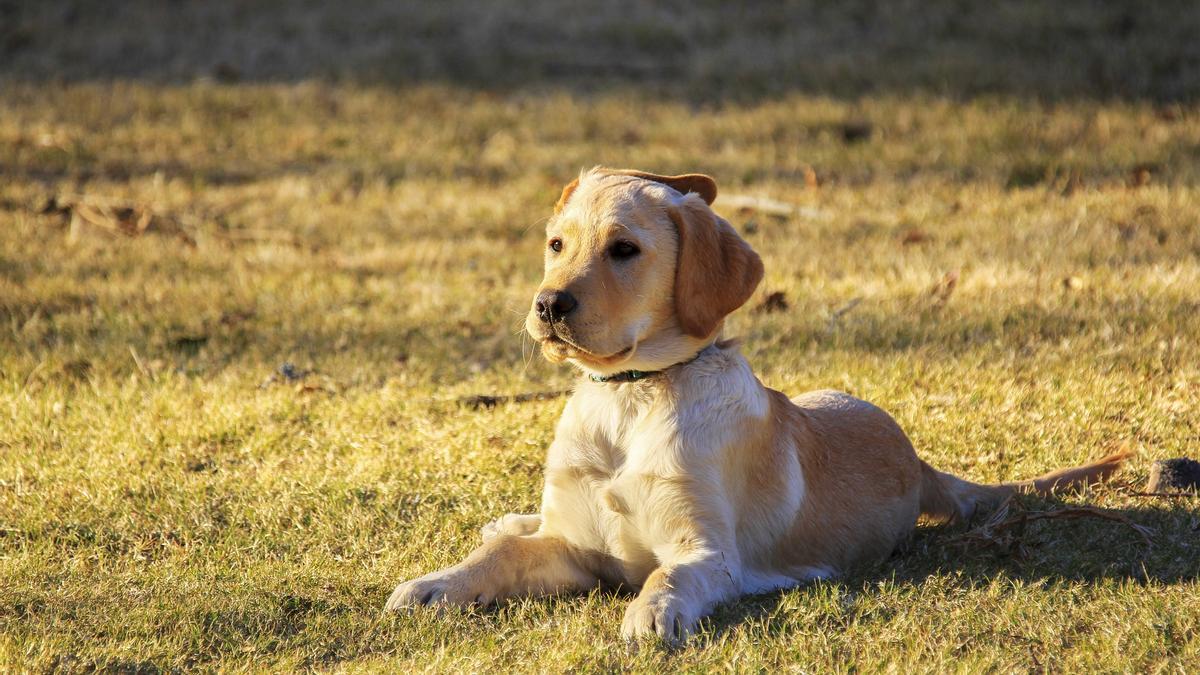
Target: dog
(673, 469)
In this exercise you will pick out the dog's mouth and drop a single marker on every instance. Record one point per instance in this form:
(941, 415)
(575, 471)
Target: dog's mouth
(559, 348)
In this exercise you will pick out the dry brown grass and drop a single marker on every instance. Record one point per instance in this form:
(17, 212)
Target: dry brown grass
(1017, 281)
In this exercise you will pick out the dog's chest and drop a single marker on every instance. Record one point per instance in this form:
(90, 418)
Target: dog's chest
(617, 514)
(603, 489)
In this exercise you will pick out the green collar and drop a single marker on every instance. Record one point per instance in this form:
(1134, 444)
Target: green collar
(635, 375)
(625, 376)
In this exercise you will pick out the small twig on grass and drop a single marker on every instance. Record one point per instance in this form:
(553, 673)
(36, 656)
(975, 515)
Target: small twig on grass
(845, 309)
(1005, 530)
(112, 217)
(137, 361)
(770, 207)
(836, 316)
(485, 401)
(1077, 512)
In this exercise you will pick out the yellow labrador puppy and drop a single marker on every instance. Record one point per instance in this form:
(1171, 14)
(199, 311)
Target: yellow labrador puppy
(673, 469)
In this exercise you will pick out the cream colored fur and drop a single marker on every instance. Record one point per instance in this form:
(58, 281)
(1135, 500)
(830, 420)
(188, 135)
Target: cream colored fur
(698, 484)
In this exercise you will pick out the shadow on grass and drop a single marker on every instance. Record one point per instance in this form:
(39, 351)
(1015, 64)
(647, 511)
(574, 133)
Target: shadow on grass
(1047, 555)
(219, 173)
(699, 51)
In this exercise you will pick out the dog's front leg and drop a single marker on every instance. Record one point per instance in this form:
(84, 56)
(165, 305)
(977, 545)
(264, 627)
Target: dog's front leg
(505, 566)
(681, 592)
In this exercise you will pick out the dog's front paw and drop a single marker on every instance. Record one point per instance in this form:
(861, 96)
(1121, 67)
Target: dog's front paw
(427, 590)
(660, 613)
(443, 588)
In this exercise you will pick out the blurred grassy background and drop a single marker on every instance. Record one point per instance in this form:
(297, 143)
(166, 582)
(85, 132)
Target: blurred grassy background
(702, 50)
(988, 225)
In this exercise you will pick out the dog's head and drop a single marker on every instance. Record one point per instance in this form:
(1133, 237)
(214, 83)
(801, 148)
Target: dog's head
(639, 272)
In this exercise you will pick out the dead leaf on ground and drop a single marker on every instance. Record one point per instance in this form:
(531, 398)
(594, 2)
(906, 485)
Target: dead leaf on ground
(200, 465)
(53, 207)
(1169, 113)
(810, 178)
(915, 235)
(1072, 183)
(227, 73)
(315, 387)
(235, 317)
(189, 343)
(774, 302)
(79, 369)
(1140, 175)
(854, 131)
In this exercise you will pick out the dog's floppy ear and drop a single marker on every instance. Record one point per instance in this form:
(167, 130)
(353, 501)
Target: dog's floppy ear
(716, 271)
(566, 194)
(699, 183)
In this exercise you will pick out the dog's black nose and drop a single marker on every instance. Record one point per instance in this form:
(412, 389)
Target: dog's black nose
(552, 306)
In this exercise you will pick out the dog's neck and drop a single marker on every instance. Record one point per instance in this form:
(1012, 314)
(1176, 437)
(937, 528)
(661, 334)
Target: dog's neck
(718, 376)
(635, 375)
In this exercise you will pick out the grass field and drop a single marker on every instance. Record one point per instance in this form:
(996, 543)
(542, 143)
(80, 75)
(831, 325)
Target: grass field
(1015, 277)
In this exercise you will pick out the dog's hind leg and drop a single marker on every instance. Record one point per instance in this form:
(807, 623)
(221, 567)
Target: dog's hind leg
(519, 524)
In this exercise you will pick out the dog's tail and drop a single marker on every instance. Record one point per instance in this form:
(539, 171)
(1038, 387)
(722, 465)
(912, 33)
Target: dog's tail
(948, 498)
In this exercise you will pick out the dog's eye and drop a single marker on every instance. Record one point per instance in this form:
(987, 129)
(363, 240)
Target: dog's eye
(623, 250)
(555, 245)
